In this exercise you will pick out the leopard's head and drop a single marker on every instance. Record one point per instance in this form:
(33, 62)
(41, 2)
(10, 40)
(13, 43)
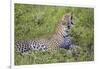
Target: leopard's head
(67, 20)
(66, 23)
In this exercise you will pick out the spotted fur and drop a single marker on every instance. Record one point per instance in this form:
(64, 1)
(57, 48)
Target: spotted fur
(60, 38)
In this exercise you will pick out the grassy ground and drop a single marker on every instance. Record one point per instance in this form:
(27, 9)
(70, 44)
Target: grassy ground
(32, 21)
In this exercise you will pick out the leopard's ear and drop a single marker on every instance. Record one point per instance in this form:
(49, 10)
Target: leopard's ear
(71, 16)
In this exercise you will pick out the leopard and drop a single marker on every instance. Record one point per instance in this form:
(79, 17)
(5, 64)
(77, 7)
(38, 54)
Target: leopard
(59, 39)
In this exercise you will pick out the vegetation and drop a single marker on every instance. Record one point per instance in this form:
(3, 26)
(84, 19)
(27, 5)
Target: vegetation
(32, 21)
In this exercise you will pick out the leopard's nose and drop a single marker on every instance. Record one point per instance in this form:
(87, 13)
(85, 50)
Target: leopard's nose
(68, 27)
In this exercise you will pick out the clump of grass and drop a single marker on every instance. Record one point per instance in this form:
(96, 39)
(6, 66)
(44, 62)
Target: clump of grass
(33, 21)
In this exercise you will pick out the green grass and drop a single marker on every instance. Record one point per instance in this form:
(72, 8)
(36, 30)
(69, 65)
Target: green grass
(33, 21)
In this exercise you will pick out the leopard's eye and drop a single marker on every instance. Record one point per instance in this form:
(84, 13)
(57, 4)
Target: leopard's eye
(63, 23)
(72, 23)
